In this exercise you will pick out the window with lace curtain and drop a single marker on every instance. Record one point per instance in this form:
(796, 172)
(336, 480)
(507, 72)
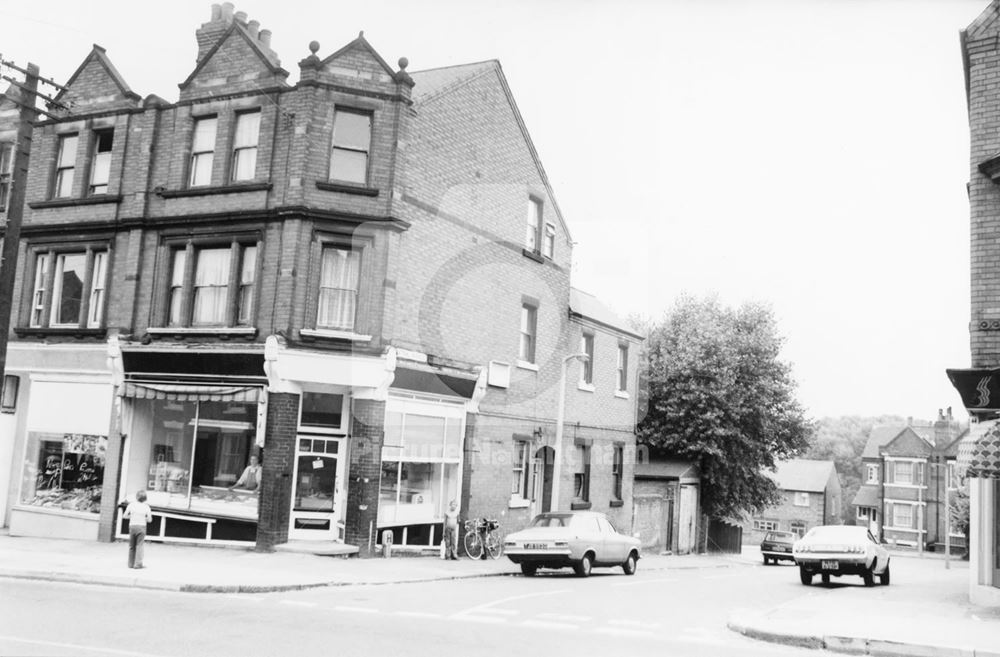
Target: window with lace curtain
(244, 164)
(202, 151)
(340, 269)
(212, 285)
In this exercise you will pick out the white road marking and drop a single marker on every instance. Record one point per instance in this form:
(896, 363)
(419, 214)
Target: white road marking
(298, 603)
(417, 614)
(478, 619)
(570, 618)
(620, 631)
(550, 625)
(489, 605)
(76, 646)
(646, 581)
(362, 610)
(628, 622)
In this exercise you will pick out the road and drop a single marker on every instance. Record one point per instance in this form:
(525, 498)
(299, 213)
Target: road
(677, 612)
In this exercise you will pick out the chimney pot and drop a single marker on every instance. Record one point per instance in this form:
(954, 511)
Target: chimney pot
(216, 12)
(241, 16)
(265, 38)
(227, 11)
(253, 27)
(949, 413)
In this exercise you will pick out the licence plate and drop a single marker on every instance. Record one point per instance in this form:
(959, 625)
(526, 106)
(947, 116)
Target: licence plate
(830, 565)
(536, 546)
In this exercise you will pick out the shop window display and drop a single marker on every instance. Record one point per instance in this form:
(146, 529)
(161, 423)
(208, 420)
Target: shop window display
(190, 455)
(64, 471)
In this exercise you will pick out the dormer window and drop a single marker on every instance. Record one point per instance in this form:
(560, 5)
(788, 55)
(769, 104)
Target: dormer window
(244, 164)
(100, 171)
(352, 133)
(65, 166)
(203, 151)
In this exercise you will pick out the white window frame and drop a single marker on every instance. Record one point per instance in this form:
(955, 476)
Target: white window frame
(7, 153)
(872, 472)
(533, 227)
(618, 473)
(65, 165)
(245, 141)
(203, 136)
(181, 288)
(47, 290)
(765, 525)
(100, 162)
(896, 507)
(621, 382)
(528, 347)
(353, 258)
(587, 366)
(549, 241)
(801, 498)
(520, 470)
(338, 146)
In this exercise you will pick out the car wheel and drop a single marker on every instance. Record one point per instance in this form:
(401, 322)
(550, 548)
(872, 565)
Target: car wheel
(826, 578)
(629, 565)
(869, 575)
(529, 569)
(884, 577)
(805, 576)
(583, 568)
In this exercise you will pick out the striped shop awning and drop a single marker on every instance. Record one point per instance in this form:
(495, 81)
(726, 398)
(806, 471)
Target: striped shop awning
(979, 452)
(184, 392)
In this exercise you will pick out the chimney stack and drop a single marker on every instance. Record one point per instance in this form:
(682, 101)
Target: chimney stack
(265, 38)
(253, 27)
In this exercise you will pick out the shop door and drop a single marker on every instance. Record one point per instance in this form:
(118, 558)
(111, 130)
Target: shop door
(318, 491)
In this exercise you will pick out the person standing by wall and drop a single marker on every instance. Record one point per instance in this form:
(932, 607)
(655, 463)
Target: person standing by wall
(139, 515)
(451, 532)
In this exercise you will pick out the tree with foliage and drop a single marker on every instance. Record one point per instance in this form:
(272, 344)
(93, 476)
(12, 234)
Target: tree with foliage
(717, 393)
(959, 510)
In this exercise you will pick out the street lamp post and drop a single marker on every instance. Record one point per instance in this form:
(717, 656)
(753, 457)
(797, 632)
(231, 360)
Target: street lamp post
(560, 413)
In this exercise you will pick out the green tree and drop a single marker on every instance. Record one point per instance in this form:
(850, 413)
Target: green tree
(717, 393)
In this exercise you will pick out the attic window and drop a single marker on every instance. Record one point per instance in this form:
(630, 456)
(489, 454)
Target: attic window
(203, 151)
(65, 165)
(352, 133)
(100, 171)
(245, 145)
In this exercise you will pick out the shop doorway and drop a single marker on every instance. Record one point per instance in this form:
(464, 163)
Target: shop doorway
(318, 492)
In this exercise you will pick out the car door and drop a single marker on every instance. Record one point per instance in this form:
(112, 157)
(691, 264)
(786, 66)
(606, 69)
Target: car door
(881, 554)
(613, 542)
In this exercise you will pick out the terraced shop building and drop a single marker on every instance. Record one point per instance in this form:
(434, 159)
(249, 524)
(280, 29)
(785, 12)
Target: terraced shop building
(341, 277)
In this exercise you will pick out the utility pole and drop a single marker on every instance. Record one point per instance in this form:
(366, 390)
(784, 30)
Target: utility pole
(26, 100)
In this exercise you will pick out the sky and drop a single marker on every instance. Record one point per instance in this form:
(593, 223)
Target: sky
(810, 155)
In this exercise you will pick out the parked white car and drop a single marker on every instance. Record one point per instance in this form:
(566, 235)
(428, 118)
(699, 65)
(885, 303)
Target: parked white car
(578, 539)
(835, 550)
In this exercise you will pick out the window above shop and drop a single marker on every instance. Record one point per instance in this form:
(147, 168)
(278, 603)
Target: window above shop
(322, 412)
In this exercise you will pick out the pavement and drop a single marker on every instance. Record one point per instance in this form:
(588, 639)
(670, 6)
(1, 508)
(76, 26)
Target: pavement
(925, 611)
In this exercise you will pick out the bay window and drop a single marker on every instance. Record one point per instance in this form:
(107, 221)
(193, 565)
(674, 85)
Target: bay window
(340, 273)
(212, 285)
(69, 288)
(349, 153)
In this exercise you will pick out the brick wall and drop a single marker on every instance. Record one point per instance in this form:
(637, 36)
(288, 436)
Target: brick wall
(278, 468)
(364, 473)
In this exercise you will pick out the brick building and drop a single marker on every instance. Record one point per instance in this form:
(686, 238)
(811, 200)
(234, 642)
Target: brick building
(907, 473)
(810, 497)
(979, 385)
(361, 278)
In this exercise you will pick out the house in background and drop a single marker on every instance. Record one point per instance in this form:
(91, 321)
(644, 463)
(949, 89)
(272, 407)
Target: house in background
(810, 497)
(908, 473)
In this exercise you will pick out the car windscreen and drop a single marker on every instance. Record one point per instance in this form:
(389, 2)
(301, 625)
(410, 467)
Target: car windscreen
(778, 536)
(560, 520)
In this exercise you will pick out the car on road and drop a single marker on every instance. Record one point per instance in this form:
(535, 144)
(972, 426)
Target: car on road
(835, 550)
(777, 546)
(579, 540)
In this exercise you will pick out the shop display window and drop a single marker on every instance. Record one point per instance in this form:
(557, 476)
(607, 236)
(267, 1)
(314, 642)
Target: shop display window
(64, 471)
(194, 456)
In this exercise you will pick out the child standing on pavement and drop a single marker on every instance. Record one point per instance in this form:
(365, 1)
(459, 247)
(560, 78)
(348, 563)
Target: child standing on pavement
(139, 515)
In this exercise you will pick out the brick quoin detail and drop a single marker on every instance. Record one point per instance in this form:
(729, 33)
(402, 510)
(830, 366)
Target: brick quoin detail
(278, 468)
(364, 473)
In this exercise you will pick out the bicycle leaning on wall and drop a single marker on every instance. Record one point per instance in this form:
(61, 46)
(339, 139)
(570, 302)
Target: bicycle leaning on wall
(482, 537)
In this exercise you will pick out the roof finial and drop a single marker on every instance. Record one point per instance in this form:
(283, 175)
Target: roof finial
(403, 63)
(314, 47)
(361, 34)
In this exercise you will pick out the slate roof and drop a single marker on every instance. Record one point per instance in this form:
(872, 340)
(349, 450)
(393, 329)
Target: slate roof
(867, 496)
(589, 306)
(431, 82)
(880, 437)
(803, 475)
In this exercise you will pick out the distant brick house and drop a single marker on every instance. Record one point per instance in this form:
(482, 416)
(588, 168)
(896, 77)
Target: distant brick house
(362, 278)
(810, 497)
(907, 469)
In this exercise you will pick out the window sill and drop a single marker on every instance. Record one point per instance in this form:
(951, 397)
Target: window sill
(621, 394)
(532, 255)
(525, 365)
(220, 331)
(208, 190)
(586, 387)
(580, 506)
(329, 334)
(517, 502)
(616, 503)
(71, 202)
(346, 188)
(25, 331)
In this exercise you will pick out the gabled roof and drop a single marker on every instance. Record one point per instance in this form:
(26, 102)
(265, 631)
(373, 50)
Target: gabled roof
(255, 45)
(803, 475)
(880, 436)
(985, 21)
(100, 55)
(440, 82)
(590, 307)
(362, 42)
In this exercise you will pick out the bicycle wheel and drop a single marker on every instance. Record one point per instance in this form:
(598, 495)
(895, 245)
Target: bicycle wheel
(494, 545)
(473, 545)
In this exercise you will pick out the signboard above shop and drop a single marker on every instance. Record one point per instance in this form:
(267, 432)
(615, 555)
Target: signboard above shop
(979, 389)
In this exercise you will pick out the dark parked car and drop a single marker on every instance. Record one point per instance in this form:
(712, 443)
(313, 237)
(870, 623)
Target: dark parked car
(777, 546)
